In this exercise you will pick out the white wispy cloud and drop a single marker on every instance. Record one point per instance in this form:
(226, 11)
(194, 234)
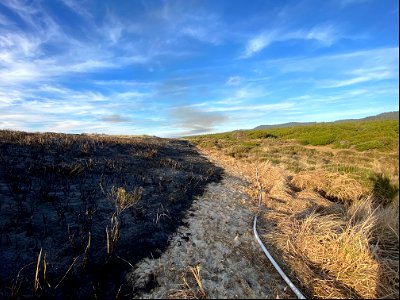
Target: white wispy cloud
(345, 96)
(370, 58)
(255, 107)
(337, 71)
(55, 75)
(190, 19)
(366, 76)
(259, 42)
(325, 34)
(233, 80)
(26, 11)
(78, 8)
(24, 55)
(247, 93)
(48, 105)
(22, 52)
(203, 34)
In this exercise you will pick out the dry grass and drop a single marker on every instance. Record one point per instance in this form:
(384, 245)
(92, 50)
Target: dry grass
(123, 199)
(342, 167)
(192, 285)
(332, 184)
(325, 228)
(196, 275)
(329, 257)
(37, 281)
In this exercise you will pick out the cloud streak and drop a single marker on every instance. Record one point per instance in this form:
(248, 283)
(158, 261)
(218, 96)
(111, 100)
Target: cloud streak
(195, 121)
(114, 118)
(325, 35)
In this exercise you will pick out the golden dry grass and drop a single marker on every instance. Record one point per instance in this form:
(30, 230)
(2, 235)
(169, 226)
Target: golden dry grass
(191, 287)
(329, 257)
(346, 248)
(332, 184)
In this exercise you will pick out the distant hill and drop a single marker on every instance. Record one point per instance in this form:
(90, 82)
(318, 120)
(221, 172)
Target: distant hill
(290, 124)
(393, 115)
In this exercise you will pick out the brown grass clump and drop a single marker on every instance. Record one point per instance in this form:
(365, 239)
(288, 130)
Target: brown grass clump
(332, 185)
(385, 247)
(192, 285)
(336, 253)
(334, 259)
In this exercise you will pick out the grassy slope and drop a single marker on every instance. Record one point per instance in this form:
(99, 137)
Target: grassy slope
(361, 135)
(364, 151)
(332, 243)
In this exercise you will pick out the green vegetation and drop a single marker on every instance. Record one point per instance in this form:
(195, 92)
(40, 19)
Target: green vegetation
(384, 191)
(381, 135)
(364, 151)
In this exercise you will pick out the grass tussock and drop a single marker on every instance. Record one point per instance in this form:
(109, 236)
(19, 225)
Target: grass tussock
(331, 185)
(333, 257)
(335, 230)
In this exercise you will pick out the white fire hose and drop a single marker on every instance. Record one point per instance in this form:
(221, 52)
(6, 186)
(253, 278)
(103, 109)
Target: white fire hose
(271, 259)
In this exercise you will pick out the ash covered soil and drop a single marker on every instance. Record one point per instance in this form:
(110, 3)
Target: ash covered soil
(58, 202)
(217, 245)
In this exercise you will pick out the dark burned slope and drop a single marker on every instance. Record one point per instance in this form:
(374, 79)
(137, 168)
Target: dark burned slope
(55, 189)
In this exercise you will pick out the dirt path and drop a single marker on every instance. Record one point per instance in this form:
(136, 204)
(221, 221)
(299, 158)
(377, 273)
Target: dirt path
(218, 238)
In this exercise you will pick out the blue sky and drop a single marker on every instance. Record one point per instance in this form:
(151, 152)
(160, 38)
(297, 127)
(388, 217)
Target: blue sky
(173, 68)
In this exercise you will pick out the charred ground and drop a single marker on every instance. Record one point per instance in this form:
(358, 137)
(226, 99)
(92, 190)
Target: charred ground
(58, 194)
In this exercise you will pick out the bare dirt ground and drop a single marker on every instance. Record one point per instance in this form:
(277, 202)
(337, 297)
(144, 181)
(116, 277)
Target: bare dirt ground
(218, 243)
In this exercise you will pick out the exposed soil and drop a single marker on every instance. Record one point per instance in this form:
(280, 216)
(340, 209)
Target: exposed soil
(218, 238)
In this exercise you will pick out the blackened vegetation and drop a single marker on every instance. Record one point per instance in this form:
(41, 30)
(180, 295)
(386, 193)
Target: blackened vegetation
(77, 211)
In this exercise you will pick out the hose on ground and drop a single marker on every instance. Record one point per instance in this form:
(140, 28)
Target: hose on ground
(269, 256)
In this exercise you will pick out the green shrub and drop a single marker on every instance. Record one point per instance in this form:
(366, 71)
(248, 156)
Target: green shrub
(384, 191)
(369, 145)
(317, 139)
(261, 134)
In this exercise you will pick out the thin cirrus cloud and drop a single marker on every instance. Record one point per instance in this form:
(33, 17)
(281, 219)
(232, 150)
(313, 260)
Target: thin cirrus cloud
(24, 56)
(325, 35)
(174, 68)
(233, 80)
(365, 76)
(342, 70)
